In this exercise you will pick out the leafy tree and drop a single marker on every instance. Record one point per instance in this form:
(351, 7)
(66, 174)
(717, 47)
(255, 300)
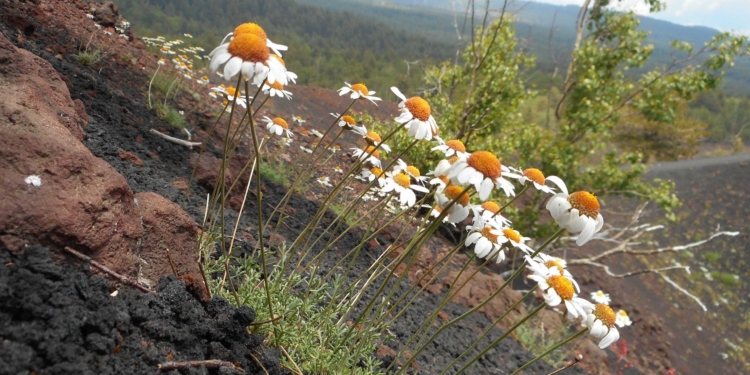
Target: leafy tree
(480, 102)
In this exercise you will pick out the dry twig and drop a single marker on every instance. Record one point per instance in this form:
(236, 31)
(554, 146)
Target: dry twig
(108, 271)
(209, 363)
(175, 140)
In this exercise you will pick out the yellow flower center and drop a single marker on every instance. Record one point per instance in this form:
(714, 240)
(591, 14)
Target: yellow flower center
(376, 171)
(535, 175)
(605, 314)
(491, 207)
(457, 145)
(281, 122)
(412, 170)
(348, 119)
(487, 232)
(453, 191)
(562, 286)
(419, 108)
(360, 88)
(403, 180)
(276, 85)
(375, 152)
(250, 28)
(585, 202)
(249, 47)
(453, 159)
(231, 91)
(512, 235)
(445, 179)
(551, 263)
(278, 58)
(485, 163)
(205, 78)
(622, 313)
(373, 137)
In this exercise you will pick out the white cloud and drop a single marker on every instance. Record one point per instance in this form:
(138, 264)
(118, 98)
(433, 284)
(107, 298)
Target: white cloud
(719, 14)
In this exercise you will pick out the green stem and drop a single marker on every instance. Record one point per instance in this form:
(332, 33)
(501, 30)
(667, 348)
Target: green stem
(551, 349)
(494, 343)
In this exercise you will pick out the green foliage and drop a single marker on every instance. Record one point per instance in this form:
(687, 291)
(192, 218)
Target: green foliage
(307, 325)
(276, 171)
(484, 103)
(87, 58)
(170, 115)
(660, 140)
(726, 278)
(329, 47)
(536, 338)
(728, 118)
(711, 256)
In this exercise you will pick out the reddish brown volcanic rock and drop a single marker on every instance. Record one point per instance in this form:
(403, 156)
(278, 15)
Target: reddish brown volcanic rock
(82, 201)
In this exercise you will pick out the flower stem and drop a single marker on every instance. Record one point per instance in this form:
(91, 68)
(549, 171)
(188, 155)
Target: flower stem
(551, 349)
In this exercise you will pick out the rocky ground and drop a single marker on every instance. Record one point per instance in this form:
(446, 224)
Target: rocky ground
(114, 191)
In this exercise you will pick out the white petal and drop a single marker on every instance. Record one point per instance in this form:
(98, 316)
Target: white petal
(219, 59)
(485, 189)
(398, 93)
(559, 182)
(232, 67)
(586, 233)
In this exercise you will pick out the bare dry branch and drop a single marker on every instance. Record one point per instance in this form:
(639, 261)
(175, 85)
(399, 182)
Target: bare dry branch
(209, 363)
(175, 140)
(108, 271)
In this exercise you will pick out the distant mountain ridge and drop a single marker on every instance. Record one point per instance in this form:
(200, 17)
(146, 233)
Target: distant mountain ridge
(439, 20)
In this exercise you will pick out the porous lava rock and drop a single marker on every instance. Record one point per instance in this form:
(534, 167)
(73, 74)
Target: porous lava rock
(56, 320)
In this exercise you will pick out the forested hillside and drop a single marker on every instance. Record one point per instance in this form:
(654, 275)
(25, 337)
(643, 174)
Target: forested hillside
(327, 46)
(439, 19)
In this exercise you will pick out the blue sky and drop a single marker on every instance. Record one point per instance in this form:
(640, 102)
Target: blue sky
(725, 15)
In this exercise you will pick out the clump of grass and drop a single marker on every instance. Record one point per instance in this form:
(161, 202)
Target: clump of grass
(535, 338)
(87, 58)
(306, 322)
(170, 115)
(711, 256)
(276, 171)
(726, 278)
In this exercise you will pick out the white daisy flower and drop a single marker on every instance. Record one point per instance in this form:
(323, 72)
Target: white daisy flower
(400, 182)
(558, 289)
(305, 149)
(345, 121)
(416, 115)
(325, 181)
(299, 120)
(316, 133)
(536, 177)
(254, 28)
(545, 265)
(277, 126)
(188, 35)
(622, 319)
(601, 297)
(368, 154)
(454, 147)
(276, 89)
(490, 211)
(577, 212)
(247, 53)
(229, 93)
(516, 240)
(488, 240)
(357, 91)
(161, 62)
(338, 169)
(286, 142)
(483, 170)
(460, 209)
(414, 173)
(373, 173)
(372, 138)
(601, 322)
